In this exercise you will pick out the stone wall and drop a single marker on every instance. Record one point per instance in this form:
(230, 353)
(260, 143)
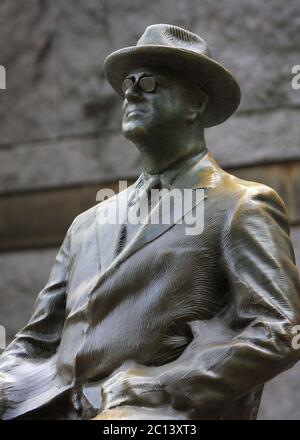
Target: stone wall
(60, 138)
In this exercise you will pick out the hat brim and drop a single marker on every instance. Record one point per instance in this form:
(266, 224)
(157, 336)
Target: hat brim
(224, 91)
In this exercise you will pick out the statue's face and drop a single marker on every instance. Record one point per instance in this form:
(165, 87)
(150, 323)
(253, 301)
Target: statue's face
(155, 101)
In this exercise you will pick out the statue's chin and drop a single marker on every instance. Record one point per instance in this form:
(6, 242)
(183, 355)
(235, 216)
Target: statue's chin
(134, 133)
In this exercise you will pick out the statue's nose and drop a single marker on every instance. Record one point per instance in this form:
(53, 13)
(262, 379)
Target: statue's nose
(134, 93)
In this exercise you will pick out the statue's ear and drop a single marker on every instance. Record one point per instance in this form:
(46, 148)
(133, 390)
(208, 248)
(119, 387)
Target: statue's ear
(202, 102)
(192, 114)
(197, 108)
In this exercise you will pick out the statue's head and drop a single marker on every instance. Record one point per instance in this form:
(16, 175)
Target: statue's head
(169, 81)
(158, 100)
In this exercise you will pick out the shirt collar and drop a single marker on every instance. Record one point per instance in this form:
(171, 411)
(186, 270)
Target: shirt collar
(169, 176)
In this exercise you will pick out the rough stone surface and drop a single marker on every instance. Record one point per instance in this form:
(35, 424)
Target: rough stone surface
(23, 275)
(68, 162)
(257, 41)
(242, 141)
(280, 399)
(29, 103)
(54, 51)
(257, 138)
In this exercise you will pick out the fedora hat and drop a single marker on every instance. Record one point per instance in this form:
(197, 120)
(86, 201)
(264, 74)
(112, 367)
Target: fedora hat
(164, 45)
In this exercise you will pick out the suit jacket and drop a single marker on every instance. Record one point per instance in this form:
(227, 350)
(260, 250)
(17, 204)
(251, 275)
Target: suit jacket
(212, 313)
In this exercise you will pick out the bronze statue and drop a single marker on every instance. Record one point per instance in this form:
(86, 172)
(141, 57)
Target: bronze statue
(144, 321)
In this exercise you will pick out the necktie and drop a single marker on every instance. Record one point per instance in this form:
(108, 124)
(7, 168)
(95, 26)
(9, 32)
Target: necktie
(153, 182)
(143, 195)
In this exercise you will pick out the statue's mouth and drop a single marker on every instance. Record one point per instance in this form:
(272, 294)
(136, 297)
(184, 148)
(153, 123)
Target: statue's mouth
(134, 112)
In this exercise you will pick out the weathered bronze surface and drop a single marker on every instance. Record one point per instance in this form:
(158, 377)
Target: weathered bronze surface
(143, 321)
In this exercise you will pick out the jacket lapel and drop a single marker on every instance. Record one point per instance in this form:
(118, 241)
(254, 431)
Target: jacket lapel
(111, 215)
(202, 175)
(149, 232)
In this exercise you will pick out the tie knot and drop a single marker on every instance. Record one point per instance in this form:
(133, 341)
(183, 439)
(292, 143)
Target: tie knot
(154, 182)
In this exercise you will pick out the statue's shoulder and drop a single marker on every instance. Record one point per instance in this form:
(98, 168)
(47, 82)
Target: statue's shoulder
(88, 218)
(84, 217)
(249, 197)
(248, 189)
(230, 188)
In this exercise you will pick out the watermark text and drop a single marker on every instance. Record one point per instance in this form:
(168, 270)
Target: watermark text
(2, 77)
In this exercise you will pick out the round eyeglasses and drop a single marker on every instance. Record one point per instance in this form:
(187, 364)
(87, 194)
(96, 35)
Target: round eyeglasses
(145, 83)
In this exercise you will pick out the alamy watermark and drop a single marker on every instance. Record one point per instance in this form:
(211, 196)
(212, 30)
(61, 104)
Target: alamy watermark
(296, 79)
(2, 78)
(159, 206)
(2, 337)
(296, 338)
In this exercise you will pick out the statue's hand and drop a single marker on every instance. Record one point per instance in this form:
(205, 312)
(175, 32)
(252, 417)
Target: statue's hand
(133, 387)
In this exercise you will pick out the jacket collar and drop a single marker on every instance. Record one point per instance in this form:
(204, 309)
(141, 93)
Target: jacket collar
(170, 176)
(203, 174)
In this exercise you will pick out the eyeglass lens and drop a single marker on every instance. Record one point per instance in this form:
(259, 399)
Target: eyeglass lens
(146, 84)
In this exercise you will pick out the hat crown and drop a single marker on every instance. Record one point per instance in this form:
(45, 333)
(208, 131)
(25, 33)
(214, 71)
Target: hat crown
(173, 36)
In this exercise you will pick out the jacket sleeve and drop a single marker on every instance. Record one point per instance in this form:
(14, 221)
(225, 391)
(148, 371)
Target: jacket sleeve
(264, 306)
